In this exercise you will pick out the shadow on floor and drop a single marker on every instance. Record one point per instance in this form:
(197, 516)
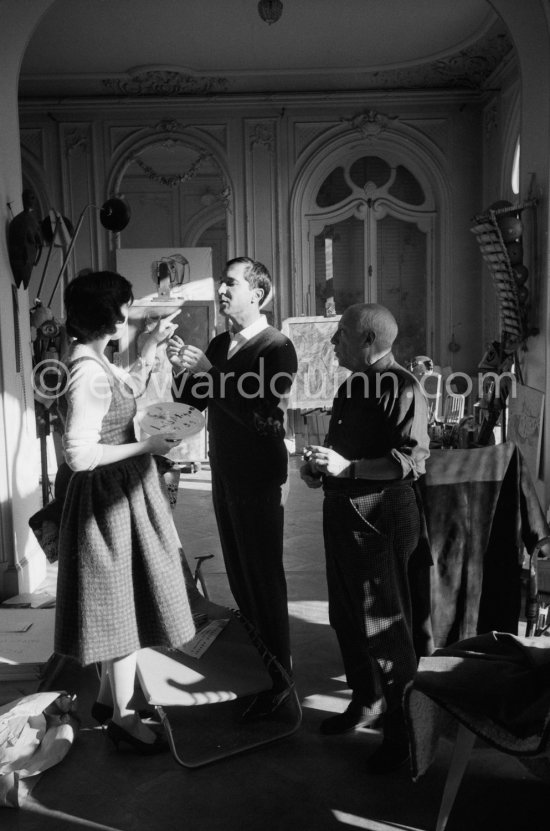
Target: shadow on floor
(306, 782)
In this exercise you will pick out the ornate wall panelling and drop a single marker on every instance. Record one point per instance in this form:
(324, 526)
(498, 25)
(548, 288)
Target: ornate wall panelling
(305, 134)
(436, 128)
(79, 159)
(36, 164)
(262, 194)
(188, 214)
(33, 141)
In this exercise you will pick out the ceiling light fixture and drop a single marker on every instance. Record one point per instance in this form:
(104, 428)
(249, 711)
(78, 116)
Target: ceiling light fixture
(270, 10)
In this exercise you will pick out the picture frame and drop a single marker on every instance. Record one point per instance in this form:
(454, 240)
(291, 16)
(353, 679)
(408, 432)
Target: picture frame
(319, 374)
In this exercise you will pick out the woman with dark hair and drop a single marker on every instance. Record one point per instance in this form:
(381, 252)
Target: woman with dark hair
(121, 585)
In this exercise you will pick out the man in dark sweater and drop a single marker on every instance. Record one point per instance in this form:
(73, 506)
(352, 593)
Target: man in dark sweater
(244, 379)
(376, 447)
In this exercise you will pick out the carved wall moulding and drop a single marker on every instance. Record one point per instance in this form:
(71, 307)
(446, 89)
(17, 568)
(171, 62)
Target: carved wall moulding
(75, 141)
(169, 125)
(178, 178)
(491, 121)
(262, 134)
(369, 123)
(165, 83)
(32, 140)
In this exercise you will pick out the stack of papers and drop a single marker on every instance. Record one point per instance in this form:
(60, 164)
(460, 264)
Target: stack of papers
(26, 642)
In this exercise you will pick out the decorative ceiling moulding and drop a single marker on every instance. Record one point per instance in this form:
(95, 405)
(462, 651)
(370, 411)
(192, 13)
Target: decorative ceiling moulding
(469, 69)
(163, 82)
(472, 65)
(369, 123)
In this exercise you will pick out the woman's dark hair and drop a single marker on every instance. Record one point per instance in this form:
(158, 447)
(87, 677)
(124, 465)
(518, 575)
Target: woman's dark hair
(93, 302)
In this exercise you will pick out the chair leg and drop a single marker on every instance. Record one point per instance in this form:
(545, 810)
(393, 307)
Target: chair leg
(461, 753)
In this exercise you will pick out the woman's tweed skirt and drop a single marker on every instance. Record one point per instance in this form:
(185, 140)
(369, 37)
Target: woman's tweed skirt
(120, 581)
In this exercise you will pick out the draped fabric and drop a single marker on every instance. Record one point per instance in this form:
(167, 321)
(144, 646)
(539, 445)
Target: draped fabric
(481, 509)
(496, 684)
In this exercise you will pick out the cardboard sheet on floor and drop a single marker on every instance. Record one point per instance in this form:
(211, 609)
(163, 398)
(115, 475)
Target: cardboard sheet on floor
(26, 642)
(201, 699)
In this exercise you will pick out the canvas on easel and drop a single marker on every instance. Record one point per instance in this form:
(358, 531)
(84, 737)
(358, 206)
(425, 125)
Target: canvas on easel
(168, 273)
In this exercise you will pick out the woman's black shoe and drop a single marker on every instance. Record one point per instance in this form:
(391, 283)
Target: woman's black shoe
(119, 735)
(103, 712)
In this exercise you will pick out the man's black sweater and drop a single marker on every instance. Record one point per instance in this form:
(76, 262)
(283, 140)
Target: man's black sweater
(241, 392)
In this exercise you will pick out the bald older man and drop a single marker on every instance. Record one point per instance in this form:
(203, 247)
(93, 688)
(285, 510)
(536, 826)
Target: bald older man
(376, 447)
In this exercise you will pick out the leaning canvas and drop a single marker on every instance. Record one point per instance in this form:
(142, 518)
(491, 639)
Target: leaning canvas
(525, 417)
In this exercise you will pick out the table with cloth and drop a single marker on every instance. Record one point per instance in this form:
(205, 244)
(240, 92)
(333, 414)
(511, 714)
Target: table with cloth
(481, 511)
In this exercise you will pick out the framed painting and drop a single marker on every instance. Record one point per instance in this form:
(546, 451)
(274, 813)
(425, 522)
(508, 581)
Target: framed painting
(319, 374)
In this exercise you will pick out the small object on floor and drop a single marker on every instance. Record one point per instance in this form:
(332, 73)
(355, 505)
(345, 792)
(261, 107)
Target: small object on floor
(354, 716)
(190, 467)
(388, 757)
(119, 735)
(266, 703)
(103, 712)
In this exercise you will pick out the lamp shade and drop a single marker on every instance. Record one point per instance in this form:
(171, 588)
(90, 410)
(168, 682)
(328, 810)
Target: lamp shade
(115, 214)
(270, 10)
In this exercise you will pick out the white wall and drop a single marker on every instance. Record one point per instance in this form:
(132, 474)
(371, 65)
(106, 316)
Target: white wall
(528, 24)
(22, 563)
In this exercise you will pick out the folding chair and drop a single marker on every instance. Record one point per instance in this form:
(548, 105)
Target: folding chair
(453, 409)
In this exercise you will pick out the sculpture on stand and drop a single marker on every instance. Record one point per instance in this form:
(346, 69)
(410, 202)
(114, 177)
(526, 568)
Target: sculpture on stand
(499, 232)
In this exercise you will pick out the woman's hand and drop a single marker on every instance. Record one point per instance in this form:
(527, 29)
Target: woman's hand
(164, 328)
(160, 444)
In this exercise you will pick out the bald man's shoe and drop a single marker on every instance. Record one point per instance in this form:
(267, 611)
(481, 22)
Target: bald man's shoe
(266, 703)
(356, 715)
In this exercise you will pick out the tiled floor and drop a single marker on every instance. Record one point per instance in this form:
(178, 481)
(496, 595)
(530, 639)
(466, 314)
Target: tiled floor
(303, 783)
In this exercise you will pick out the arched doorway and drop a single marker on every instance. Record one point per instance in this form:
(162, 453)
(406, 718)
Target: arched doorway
(369, 232)
(178, 195)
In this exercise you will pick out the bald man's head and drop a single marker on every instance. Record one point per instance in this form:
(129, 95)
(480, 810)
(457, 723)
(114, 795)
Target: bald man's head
(366, 333)
(375, 319)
